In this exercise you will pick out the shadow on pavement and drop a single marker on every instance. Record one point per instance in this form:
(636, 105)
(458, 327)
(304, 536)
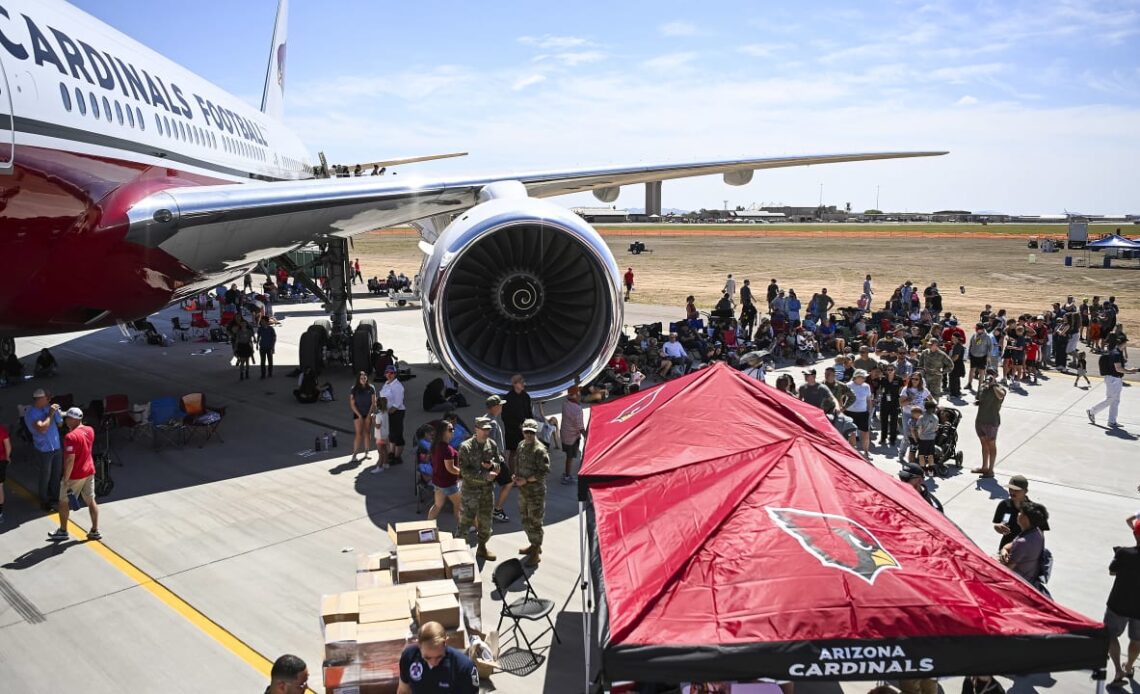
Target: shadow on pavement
(32, 557)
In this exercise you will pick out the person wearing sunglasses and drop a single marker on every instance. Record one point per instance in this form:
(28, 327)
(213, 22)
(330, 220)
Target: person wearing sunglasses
(288, 676)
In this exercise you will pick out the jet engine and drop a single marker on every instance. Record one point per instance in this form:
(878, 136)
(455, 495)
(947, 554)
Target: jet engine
(520, 285)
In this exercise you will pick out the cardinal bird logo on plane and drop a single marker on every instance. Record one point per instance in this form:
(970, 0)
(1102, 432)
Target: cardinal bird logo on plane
(837, 541)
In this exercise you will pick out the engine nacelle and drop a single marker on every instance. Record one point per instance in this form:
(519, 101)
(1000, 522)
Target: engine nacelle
(520, 285)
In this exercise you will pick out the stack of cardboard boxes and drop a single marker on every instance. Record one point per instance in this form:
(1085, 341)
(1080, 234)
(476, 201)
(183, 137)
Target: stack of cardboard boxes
(429, 577)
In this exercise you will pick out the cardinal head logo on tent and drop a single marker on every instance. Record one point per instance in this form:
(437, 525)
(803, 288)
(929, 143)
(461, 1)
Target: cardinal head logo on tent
(639, 405)
(837, 541)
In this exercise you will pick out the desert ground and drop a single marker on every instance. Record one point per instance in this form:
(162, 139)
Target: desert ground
(971, 268)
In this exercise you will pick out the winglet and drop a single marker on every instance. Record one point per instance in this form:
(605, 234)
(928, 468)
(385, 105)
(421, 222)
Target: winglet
(273, 95)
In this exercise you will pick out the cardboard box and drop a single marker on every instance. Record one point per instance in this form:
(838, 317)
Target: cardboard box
(385, 612)
(342, 607)
(340, 642)
(402, 594)
(429, 589)
(445, 537)
(359, 679)
(459, 566)
(457, 638)
(455, 544)
(427, 570)
(486, 666)
(413, 533)
(439, 608)
(377, 561)
(379, 644)
(373, 579)
(428, 550)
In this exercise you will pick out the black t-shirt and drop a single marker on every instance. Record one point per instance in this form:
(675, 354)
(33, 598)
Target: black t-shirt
(1006, 513)
(1124, 599)
(1108, 360)
(455, 673)
(890, 390)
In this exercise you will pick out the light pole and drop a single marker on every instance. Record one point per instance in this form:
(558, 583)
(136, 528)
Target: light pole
(876, 196)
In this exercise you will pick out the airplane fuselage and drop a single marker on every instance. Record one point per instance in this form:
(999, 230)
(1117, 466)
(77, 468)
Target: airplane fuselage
(99, 122)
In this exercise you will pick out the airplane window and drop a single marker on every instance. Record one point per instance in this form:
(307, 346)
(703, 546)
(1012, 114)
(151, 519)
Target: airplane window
(65, 95)
(213, 141)
(182, 129)
(119, 112)
(130, 116)
(107, 109)
(94, 104)
(142, 123)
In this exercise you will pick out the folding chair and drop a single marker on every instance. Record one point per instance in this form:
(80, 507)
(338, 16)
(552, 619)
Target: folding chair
(166, 421)
(117, 414)
(179, 329)
(201, 419)
(529, 607)
(200, 325)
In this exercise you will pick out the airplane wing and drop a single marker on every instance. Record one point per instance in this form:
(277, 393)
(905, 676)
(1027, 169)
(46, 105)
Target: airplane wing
(216, 228)
(367, 166)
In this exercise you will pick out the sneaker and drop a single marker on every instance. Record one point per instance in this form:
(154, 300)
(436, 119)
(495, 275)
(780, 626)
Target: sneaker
(94, 535)
(500, 516)
(376, 469)
(1114, 425)
(57, 534)
(1092, 417)
(567, 479)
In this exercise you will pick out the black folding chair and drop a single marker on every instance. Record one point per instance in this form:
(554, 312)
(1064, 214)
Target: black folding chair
(529, 607)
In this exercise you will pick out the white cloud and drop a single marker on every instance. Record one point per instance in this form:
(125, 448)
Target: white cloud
(966, 100)
(524, 82)
(960, 74)
(670, 61)
(763, 50)
(571, 58)
(549, 42)
(678, 28)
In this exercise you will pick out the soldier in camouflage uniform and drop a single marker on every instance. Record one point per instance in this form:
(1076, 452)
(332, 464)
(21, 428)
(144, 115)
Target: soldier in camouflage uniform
(479, 464)
(532, 464)
(933, 363)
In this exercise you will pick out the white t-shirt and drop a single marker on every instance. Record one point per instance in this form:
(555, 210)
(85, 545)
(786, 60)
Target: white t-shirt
(380, 422)
(394, 391)
(862, 400)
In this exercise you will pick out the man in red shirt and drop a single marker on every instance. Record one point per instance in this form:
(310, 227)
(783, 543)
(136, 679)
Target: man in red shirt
(78, 473)
(628, 282)
(5, 456)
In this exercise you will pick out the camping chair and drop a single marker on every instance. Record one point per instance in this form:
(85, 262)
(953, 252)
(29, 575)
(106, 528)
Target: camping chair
(117, 414)
(227, 318)
(200, 325)
(179, 329)
(201, 419)
(529, 607)
(166, 421)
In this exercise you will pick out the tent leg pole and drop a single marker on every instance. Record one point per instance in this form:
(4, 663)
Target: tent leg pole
(584, 575)
(1100, 676)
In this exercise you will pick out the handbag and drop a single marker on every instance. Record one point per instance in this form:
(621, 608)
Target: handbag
(73, 501)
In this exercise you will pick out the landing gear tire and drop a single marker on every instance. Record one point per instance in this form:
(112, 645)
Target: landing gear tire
(325, 324)
(362, 349)
(312, 350)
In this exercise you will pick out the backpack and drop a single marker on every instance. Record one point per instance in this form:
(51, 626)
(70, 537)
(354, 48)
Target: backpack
(1044, 571)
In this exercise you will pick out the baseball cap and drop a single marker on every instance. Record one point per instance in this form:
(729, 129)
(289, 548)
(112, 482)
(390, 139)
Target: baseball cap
(493, 400)
(1018, 482)
(911, 471)
(809, 372)
(390, 369)
(530, 425)
(483, 423)
(858, 373)
(39, 393)
(74, 413)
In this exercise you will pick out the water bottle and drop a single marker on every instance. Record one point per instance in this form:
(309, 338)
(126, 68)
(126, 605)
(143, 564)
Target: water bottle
(327, 442)
(334, 439)
(317, 443)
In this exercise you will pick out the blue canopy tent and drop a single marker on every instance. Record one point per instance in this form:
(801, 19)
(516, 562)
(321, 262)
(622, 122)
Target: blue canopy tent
(1117, 244)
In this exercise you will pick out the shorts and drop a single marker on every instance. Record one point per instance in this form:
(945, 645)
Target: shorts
(977, 362)
(448, 491)
(1116, 625)
(862, 420)
(986, 431)
(1018, 357)
(572, 450)
(84, 487)
(926, 446)
(504, 476)
(3, 471)
(396, 425)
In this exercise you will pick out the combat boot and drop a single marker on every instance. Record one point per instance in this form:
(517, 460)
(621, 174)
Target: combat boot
(533, 557)
(483, 553)
(526, 550)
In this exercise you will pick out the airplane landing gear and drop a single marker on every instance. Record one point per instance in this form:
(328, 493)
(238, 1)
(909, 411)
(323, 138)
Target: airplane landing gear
(333, 340)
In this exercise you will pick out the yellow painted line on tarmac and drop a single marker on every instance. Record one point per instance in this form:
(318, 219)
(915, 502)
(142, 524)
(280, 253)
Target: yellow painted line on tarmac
(168, 597)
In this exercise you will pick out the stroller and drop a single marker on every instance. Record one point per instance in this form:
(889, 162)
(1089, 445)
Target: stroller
(946, 441)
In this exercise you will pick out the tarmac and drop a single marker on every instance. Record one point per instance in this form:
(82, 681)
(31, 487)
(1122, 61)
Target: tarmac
(214, 558)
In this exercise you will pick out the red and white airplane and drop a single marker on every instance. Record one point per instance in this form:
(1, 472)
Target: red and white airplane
(130, 183)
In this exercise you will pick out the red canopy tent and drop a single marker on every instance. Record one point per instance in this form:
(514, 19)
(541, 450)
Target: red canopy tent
(732, 534)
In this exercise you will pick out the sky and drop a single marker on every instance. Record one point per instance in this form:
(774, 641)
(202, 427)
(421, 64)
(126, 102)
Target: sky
(1038, 102)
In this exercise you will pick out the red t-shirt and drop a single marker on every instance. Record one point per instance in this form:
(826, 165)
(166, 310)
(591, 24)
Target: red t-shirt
(629, 279)
(619, 365)
(440, 476)
(3, 438)
(79, 442)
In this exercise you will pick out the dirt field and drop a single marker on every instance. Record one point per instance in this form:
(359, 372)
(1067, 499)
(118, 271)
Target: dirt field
(992, 270)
